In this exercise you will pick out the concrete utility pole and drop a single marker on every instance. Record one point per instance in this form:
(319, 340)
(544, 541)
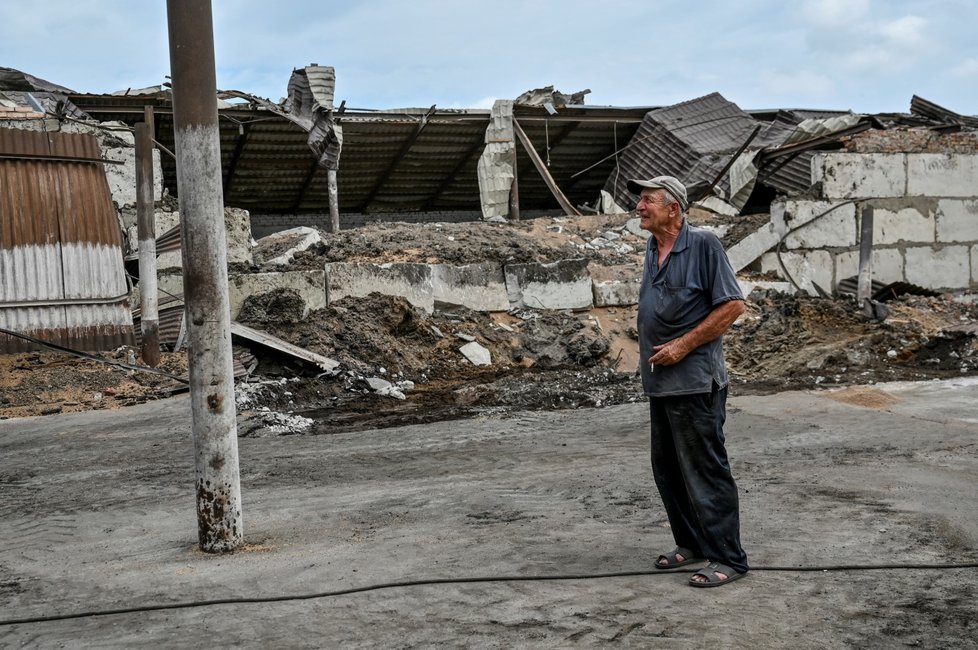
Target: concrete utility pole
(205, 281)
(334, 202)
(146, 229)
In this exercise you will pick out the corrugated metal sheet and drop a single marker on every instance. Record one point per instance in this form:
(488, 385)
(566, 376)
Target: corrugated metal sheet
(930, 110)
(692, 141)
(273, 170)
(61, 272)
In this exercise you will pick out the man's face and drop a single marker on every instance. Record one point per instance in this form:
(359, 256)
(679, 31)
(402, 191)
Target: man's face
(654, 215)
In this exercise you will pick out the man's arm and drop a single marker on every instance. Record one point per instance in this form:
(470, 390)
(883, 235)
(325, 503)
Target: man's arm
(713, 326)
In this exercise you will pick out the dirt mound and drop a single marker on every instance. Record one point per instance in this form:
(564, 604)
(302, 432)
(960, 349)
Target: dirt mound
(400, 365)
(797, 341)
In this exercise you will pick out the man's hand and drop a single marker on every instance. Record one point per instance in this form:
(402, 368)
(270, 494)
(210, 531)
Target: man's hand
(713, 326)
(670, 352)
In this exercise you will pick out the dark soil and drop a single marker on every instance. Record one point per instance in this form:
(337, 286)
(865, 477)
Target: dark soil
(539, 359)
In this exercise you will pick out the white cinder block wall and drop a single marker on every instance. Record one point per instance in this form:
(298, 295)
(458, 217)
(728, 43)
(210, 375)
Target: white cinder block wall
(925, 220)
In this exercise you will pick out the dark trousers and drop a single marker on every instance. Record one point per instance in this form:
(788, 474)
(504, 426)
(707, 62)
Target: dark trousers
(691, 470)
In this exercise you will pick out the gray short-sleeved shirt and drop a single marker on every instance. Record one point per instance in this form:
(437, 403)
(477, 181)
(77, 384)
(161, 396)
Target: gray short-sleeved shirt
(695, 278)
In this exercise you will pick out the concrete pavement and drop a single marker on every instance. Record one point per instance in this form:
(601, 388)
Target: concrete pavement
(97, 514)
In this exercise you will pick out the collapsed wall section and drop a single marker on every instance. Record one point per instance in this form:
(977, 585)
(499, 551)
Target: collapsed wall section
(925, 222)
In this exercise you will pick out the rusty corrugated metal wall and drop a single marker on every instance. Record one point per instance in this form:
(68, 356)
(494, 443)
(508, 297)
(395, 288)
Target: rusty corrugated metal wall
(61, 271)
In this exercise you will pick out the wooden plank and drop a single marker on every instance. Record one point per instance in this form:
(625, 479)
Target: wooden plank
(569, 209)
(275, 343)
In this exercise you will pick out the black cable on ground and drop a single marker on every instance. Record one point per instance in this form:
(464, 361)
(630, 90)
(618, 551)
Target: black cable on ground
(781, 241)
(92, 357)
(450, 581)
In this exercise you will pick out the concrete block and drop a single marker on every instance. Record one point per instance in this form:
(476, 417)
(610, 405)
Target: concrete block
(170, 283)
(887, 265)
(477, 354)
(237, 228)
(410, 281)
(974, 264)
(163, 222)
(957, 220)
(751, 247)
(559, 285)
(632, 225)
(310, 285)
(860, 175)
(946, 268)
(122, 178)
(806, 269)
(902, 225)
(481, 287)
(614, 293)
(942, 174)
(821, 224)
(280, 247)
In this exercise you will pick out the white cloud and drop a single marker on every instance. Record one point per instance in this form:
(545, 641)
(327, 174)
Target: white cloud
(906, 32)
(967, 68)
(833, 13)
(869, 58)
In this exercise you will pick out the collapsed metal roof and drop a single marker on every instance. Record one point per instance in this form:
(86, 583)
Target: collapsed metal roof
(405, 160)
(275, 156)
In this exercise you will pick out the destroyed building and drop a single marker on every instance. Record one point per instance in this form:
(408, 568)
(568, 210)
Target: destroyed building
(306, 162)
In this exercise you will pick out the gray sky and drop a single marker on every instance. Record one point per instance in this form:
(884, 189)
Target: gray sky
(865, 55)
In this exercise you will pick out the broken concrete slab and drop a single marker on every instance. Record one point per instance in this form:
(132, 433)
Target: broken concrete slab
(615, 293)
(384, 388)
(476, 353)
(632, 225)
(329, 366)
(281, 247)
(748, 286)
(412, 282)
(481, 287)
(806, 269)
(754, 245)
(310, 286)
(565, 284)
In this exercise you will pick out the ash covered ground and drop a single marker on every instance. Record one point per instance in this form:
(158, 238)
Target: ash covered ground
(401, 366)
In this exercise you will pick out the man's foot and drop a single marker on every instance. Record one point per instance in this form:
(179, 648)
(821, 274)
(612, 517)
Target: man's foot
(714, 575)
(677, 558)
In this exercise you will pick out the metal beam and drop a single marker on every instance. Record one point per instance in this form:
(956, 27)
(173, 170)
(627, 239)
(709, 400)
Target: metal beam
(402, 152)
(466, 157)
(306, 183)
(568, 207)
(244, 130)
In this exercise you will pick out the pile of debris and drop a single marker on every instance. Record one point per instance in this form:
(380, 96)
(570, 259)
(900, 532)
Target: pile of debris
(397, 364)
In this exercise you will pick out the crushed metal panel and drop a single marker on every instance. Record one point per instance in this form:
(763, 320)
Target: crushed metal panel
(498, 161)
(691, 141)
(61, 270)
(930, 110)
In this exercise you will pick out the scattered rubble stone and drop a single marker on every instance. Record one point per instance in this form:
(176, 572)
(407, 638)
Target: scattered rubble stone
(540, 358)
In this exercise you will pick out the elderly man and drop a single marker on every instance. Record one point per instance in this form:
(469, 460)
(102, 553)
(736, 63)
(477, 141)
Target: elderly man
(689, 298)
